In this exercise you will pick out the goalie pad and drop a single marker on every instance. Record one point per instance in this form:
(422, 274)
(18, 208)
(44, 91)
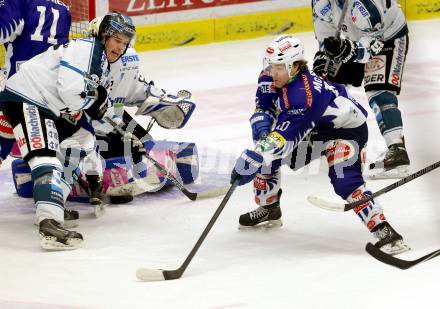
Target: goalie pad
(122, 178)
(169, 111)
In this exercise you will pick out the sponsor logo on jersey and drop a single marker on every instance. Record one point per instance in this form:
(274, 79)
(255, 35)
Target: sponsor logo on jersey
(267, 87)
(21, 140)
(339, 151)
(260, 184)
(285, 99)
(397, 63)
(129, 58)
(375, 79)
(361, 8)
(308, 90)
(325, 10)
(33, 126)
(277, 139)
(375, 70)
(375, 64)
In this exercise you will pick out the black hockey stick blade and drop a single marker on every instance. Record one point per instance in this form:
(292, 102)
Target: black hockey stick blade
(148, 274)
(338, 206)
(396, 262)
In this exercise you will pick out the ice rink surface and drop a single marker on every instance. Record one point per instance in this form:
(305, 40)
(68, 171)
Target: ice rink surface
(316, 260)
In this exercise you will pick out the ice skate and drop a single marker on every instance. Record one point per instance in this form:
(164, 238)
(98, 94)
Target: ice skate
(97, 196)
(54, 237)
(268, 216)
(390, 241)
(395, 164)
(70, 218)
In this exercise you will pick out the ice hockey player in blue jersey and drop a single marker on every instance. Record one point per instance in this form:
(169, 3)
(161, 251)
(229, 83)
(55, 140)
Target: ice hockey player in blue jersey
(374, 43)
(299, 117)
(59, 83)
(30, 27)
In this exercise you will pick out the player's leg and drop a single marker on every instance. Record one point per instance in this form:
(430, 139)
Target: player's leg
(382, 84)
(267, 190)
(345, 157)
(267, 187)
(38, 139)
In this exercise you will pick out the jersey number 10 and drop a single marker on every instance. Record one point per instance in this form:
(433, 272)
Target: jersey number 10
(37, 35)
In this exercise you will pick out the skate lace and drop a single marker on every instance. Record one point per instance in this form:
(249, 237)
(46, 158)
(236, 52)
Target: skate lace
(258, 213)
(382, 233)
(393, 150)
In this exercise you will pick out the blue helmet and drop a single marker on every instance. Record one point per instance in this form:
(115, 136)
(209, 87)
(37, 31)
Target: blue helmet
(116, 22)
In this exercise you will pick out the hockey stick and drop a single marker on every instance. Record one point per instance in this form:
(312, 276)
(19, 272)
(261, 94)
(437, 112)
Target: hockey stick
(191, 195)
(338, 33)
(396, 262)
(147, 274)
(335, 206)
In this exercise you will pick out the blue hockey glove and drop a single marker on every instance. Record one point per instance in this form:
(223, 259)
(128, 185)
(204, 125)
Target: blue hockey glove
(246, 167)
(340, 50)
(261, 124)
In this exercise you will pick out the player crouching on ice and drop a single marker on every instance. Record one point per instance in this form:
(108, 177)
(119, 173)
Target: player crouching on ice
(106, 74)
(127, 88)
(300, 117)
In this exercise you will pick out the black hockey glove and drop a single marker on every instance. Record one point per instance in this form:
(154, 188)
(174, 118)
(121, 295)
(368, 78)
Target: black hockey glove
(340, 50)
(98, 109)
(319, 65)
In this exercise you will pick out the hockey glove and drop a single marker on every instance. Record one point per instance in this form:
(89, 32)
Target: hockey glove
(340, 50)
(246, 167)
(319, 63)
(99, 107)
(261, 124)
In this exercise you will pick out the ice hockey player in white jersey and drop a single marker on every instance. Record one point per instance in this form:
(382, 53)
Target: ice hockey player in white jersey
(127, 87)
(374, 43)
(64, 80)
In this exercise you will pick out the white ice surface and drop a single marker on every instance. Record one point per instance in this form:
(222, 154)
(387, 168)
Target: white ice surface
(316, 260)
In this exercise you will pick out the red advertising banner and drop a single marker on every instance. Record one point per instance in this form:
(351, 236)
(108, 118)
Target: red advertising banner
(144, 7)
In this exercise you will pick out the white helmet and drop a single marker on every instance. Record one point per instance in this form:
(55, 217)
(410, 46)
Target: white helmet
(285, 49)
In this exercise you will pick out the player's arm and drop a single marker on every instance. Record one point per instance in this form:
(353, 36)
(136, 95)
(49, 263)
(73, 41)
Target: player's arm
(369, 21)
(265, 112)
(80, 67)
(293, 126)
(11, 20)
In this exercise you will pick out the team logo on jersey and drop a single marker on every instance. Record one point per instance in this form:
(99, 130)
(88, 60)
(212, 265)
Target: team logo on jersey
(269, 50)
